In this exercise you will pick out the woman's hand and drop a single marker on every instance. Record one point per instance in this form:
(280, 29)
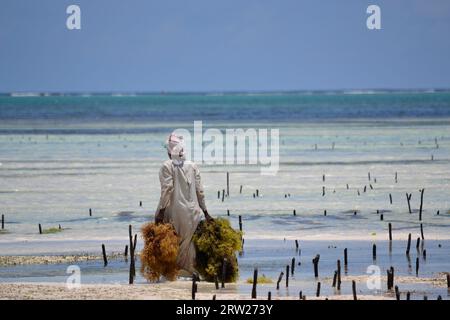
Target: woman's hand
(159, 217)
(208, 217)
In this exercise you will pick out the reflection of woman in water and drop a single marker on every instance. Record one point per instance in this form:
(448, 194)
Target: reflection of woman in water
(182, 199)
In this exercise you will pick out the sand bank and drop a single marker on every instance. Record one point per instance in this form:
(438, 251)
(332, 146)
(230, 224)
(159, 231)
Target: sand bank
(178, 290)
(47, 259)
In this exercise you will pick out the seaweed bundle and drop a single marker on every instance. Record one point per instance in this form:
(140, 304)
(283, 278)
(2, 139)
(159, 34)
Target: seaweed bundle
(215, 243)
(159, 256)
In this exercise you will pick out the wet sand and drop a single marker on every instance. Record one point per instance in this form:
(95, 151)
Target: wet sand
(47, 259)
(175, 290)
(181, 290)
(45, 276)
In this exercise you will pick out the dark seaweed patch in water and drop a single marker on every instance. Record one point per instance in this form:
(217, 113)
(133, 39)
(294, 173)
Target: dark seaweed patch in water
(10, 222)
(351, 211)
(253, 217)
(383, 211)
(321, 226)
(245, 217)
(283, 220)
(124, 215)
(330, 216)
(80, 219)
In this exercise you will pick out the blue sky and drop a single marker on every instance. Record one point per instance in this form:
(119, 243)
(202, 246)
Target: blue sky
(223, 45)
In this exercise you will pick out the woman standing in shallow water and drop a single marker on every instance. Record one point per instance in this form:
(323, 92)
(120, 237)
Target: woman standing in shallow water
(182, 199)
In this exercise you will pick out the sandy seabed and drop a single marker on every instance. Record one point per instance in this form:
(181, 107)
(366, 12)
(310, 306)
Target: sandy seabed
(178, 290)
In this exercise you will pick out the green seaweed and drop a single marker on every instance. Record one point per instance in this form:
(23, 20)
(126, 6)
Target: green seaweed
(214, 242)
(52, 230)
(261, 280)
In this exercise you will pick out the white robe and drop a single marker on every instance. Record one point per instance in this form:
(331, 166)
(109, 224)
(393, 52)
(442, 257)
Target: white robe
(183, 198)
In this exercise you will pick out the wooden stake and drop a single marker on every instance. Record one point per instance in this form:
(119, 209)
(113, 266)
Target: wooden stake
(132, 266)
(90, 212)
(418, 244)
(218, 194)
(417, 266)
(223, 195)
(318, 289)
(228, 184)
(339, 274)
(448, 280)
(390, 231)
(280, 277)
(3, 221)
(40, 229)
(292, 266)
(287, 276)
(294, 213)
(424, 253)
(296, 244)
(381, 217)
(389, 281)
(240, 223)
(408, 295)
(323, 191)
(421, 231)
(126, 252)
(397, 293)
(390, 198)
(105, 259)
(224, 271)
(374, 252)
(255, 281)
(216, 282)
(194, 286)
(408, 199)
(409, 244)
(334, 279)
(345, 258)
(240, 189)
(269, 295)
(354, 290)
(421, 204)
(315, 262)
(392, 277)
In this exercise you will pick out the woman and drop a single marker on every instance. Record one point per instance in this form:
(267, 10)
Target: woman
(182, 200)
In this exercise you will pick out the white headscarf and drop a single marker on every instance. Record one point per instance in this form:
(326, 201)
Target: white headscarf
(175, 147)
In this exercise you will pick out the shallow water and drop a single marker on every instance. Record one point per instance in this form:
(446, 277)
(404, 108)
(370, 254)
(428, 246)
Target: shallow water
(272, 256)
(60, 156)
